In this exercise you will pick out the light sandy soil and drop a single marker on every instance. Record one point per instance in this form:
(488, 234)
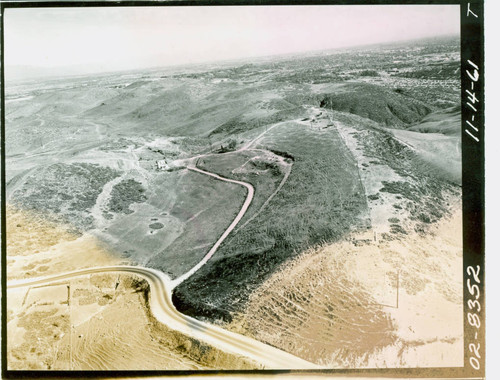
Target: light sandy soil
(39, 247)
(102, 339)
(80, 325)
(382, 304)
(95, 322)
(100, 322)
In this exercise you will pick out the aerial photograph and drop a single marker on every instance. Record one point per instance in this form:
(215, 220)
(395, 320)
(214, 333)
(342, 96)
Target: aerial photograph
(233, 188)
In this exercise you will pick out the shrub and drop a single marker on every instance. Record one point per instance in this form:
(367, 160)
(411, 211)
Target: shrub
(124, 194)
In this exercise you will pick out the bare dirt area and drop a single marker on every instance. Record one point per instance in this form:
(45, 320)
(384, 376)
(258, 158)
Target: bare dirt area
(78, 324)
(347, 255)
(37, 246)
(379, 304)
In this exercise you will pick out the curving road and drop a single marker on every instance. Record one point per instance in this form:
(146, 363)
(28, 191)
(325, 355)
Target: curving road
(240, 215)
(165, 312)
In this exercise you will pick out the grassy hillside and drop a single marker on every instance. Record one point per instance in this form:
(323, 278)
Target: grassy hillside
(359, 148)
(446, 122)
(264, 170)
(441, 153)
(436, 141)
(243, 124)
(376, 103)
(204, 207)
(321, 201)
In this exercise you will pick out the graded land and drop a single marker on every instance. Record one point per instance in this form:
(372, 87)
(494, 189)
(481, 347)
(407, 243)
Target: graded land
(348, 256)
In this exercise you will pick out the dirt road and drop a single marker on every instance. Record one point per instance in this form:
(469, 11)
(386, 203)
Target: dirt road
(165, 312)
(240, 215)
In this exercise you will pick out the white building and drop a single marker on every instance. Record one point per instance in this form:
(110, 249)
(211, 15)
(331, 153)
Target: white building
(161, 165)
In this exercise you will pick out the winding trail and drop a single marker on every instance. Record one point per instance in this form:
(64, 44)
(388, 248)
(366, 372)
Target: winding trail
(162, 286)
(102, 201)
(240, 215)
(264, 205)
(165, 312)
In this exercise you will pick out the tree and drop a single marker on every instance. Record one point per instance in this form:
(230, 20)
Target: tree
(231, 145)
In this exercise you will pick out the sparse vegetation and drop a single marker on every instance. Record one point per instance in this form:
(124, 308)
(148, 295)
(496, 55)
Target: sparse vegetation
(332, 157)
(330, 203)
(43, 332)
(440, 71)
(64, 192)
(406, 189)
(238, 124)
(368, 73)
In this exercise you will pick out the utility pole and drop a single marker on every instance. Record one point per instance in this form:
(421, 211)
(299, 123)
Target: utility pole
(209, 144)
(70, 331)
(397, 290)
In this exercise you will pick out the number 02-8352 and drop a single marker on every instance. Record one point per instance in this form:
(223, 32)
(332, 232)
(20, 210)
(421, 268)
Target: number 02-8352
(474, 314)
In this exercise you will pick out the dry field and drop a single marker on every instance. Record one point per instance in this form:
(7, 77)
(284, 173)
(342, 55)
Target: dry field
(79, 324)
(348, 256)
(379, 304)
(38, 246)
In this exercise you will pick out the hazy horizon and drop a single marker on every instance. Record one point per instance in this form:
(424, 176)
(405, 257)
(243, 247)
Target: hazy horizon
(69, 42)
(50, 73)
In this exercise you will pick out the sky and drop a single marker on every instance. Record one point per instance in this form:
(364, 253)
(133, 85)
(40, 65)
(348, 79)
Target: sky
(113, 38)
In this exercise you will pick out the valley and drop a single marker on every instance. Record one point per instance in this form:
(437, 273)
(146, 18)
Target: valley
(320, 192)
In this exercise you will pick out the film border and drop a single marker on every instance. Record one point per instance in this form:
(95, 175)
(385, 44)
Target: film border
(472, 105)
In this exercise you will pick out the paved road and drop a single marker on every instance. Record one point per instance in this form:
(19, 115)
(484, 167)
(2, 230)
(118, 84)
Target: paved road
(166, 313)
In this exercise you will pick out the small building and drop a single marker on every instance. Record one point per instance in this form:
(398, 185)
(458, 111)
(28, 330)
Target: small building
(161, 165)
